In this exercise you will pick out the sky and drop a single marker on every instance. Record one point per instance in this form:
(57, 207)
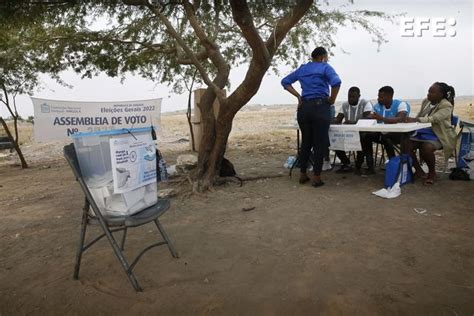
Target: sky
(408, 64)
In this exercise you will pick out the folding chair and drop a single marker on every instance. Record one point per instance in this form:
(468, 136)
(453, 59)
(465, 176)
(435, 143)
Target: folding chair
(114, 224)
(381, 163)
(352, 153)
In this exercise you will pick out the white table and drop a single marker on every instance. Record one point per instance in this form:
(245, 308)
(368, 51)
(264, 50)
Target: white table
(383, 128)
(346, 137)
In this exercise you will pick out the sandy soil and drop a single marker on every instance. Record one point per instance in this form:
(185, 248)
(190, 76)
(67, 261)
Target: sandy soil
(330, 251)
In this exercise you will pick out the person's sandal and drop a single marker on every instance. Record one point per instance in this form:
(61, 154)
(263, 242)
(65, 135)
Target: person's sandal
(369, 172)
(344, 169)
(428, 182)
(419, 175)
(303, 178)
(317, 184)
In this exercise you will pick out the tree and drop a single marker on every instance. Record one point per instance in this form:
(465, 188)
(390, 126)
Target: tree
(8, 98)
(22, 60)
(160, 40)
(189, 88)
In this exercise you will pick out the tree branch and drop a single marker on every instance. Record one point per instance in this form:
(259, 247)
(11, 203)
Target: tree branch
(97, 37)
(211, 47)
(202, 55)
(257, 69)
(187, 50)
(243, 18)
(6, 101)
(285, 24)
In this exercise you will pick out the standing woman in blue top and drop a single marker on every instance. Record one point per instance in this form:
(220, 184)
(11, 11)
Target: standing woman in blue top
(314, 109)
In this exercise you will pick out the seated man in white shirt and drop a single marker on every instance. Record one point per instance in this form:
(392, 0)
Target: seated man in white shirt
(351, 111)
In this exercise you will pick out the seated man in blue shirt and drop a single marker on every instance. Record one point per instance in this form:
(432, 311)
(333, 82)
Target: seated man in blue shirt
(387, 111)
(314, 112)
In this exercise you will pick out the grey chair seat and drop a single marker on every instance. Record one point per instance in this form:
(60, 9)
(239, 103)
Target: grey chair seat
(140, 218)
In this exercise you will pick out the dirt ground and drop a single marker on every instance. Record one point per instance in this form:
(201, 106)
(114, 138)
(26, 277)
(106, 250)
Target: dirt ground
(334, 250)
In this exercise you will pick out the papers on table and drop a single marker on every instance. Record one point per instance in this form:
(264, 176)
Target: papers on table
(366, 123)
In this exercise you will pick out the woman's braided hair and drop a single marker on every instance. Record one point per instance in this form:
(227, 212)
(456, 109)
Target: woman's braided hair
(448, 91)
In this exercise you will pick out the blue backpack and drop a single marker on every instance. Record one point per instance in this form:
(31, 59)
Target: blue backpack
(398, 169)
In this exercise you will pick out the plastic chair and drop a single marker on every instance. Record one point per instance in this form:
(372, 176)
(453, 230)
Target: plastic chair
(114, 224)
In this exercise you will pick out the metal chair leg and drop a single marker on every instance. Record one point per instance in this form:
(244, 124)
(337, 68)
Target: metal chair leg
(166, 238)
(120, 257)
(353, 155)
(376, 152)
(82, 237)
(124, 235)
(382, 155)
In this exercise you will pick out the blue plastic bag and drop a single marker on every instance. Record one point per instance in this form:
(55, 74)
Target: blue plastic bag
(398, 169)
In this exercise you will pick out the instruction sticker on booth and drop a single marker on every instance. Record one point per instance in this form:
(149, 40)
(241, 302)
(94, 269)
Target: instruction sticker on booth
(133, 162)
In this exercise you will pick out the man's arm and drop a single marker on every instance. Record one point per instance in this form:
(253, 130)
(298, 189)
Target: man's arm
(367, 111)
(338, 119)
(397, 119)
(366, 115)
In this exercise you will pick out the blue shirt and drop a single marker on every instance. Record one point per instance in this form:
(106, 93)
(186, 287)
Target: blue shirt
(396, 107)
(315, 79)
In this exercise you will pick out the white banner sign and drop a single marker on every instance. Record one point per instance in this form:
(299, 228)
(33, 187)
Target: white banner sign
(57, 120)
(348, 140)
(133, 162)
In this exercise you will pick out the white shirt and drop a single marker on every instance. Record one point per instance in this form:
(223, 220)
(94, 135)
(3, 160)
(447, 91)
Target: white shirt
(353, 113)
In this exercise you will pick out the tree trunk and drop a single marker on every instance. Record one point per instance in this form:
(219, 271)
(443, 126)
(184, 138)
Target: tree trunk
(212, 150)
(188, 114)
(24, 165)
(215, 133)
(15, 128)
(188, 117)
